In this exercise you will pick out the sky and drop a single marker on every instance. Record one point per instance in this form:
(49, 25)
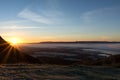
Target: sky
(60, 20)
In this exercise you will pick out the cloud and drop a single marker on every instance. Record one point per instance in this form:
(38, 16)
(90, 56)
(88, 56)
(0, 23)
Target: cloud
(100, 14)
(14, 27)
(33, 16)
(49, 14)
(12, 22)
(15, 24)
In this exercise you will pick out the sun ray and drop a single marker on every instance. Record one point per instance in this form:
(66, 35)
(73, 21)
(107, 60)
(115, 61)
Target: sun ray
(3, 44)
(5, 49)
(7, 55)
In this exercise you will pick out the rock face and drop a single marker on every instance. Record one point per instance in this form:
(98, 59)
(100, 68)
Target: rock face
(10, 54)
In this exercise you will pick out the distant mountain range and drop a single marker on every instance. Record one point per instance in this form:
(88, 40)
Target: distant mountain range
(84, 42)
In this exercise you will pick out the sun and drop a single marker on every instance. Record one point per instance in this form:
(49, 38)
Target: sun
(14, 41)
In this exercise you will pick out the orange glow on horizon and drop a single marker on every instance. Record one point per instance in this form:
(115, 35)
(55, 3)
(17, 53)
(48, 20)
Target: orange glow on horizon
(14, 40)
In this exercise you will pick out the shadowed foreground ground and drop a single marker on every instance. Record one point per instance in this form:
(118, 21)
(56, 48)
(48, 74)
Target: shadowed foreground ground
(57, 72)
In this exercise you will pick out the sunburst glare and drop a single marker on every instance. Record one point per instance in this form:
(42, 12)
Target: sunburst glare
(14, 41)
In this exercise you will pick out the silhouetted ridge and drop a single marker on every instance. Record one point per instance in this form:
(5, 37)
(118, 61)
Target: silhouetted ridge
(2, 40)
(9, 54)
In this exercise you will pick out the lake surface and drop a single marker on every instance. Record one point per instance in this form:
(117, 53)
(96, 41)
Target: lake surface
(111, 48)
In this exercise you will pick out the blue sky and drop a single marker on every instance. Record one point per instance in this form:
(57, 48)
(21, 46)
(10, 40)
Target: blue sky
(60, 20)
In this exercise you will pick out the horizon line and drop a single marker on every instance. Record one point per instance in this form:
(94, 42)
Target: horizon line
(73, 42)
